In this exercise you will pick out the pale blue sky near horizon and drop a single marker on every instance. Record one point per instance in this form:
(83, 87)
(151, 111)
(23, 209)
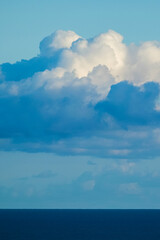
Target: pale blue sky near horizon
(24, 24)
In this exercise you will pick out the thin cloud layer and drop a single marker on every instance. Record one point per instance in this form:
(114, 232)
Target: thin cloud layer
(93, 97)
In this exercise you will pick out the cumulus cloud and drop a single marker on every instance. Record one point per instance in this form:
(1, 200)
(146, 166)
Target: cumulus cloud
(56, 41)
(93, 96)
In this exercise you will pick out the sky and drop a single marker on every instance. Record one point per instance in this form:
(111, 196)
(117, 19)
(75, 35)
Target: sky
(79, 104)
(25, 23)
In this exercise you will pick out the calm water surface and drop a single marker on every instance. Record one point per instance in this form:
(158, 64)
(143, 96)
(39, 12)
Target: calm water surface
(79, 224)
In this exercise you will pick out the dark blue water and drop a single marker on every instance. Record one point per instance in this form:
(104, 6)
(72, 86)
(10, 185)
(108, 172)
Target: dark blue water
(80, 224)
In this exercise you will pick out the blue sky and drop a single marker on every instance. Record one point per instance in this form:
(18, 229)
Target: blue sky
(79, 104)
(24, 23)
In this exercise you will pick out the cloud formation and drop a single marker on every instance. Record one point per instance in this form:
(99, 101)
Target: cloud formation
(93, 96)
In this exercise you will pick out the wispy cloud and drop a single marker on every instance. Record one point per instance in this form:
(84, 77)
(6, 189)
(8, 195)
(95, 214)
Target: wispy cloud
(42, 175)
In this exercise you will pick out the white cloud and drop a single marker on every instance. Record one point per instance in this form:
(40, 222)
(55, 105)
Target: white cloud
(99, 62)
(143, 63)
(106, 49)
(58, 40)
(138, 64)
(62, 98)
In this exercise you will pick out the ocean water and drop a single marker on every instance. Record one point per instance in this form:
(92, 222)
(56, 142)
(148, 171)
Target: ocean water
(80, 224)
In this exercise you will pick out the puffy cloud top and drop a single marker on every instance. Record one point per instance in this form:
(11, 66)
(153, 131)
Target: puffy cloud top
(93, 96)
(56, 41)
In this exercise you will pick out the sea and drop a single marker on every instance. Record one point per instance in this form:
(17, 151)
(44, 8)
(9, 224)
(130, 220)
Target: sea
(79, 224)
